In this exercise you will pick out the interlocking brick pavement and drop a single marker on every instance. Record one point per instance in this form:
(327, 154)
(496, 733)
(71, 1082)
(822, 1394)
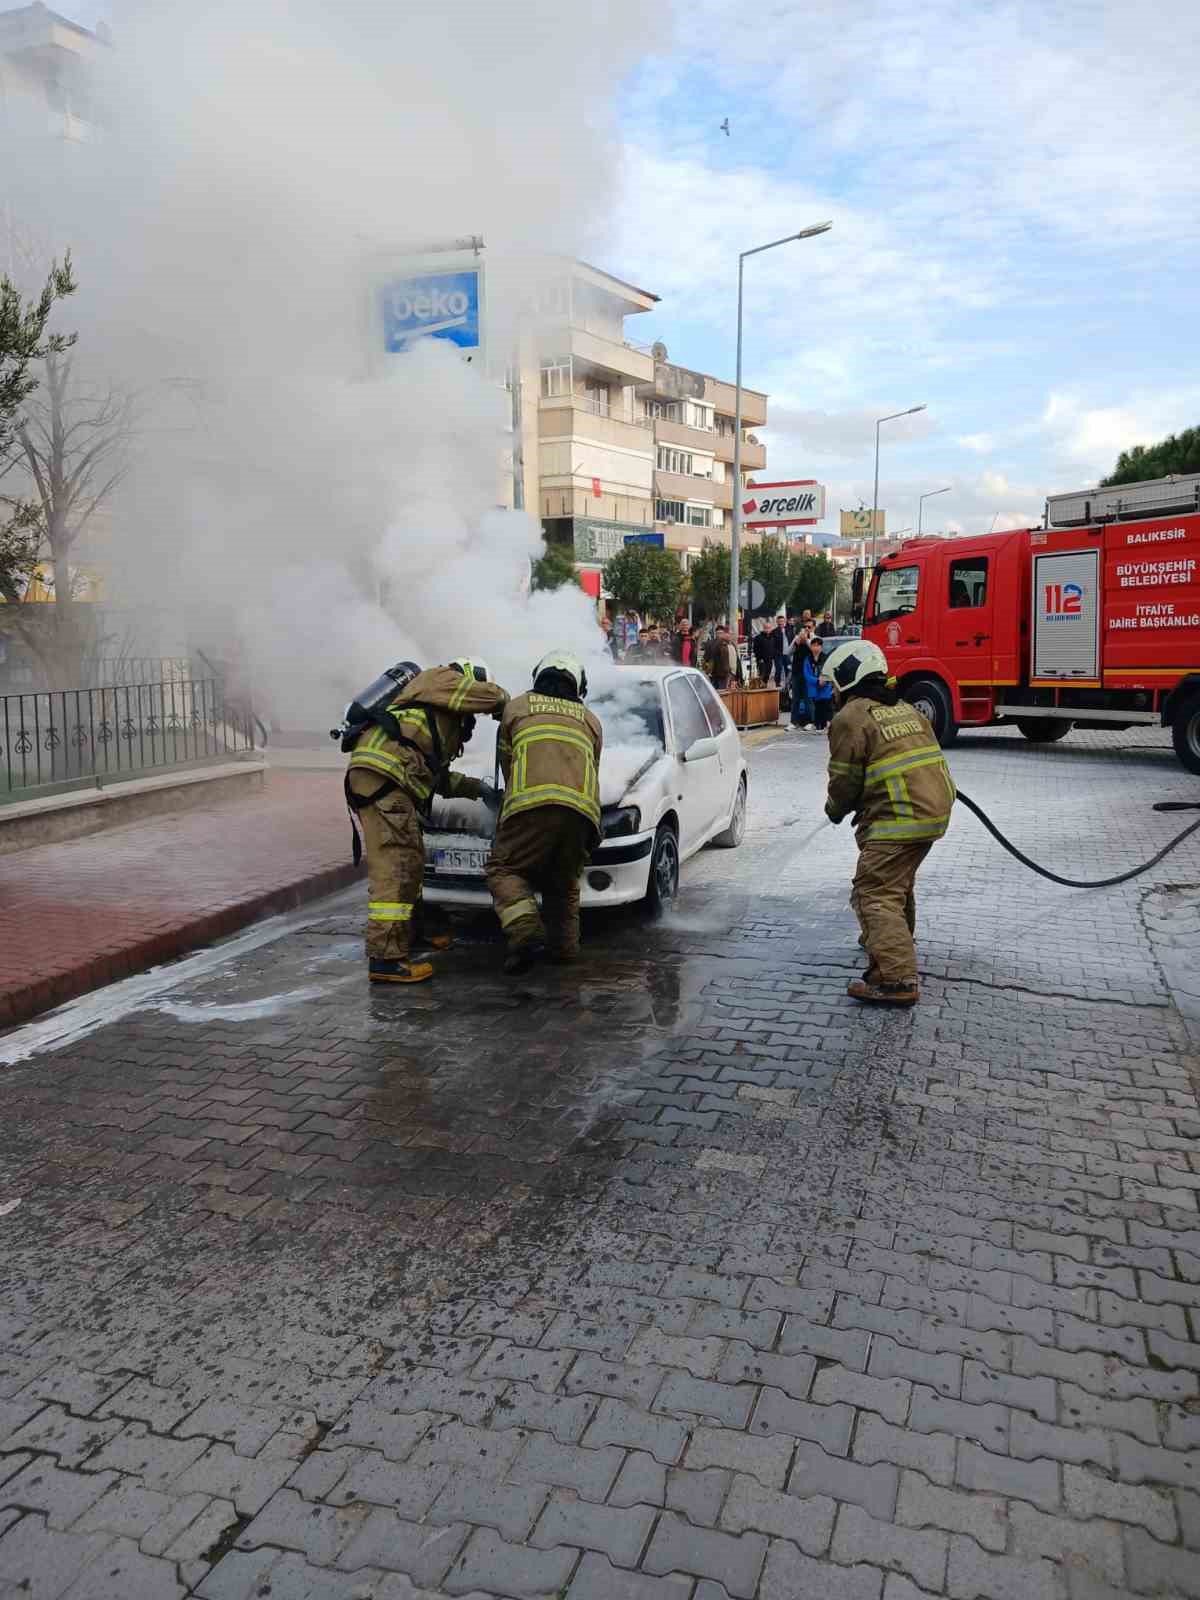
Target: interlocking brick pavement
(86, 911)
(672, 1277)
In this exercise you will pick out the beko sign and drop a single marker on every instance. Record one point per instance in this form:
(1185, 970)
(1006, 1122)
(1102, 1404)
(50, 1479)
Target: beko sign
(776, 505)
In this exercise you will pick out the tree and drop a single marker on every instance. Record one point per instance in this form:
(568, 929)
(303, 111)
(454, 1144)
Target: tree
(70, 449)
(23, 340)
(813, 580)
(1178, 453)
(645, 579)
(709, 574)
(770, 562)
(554, 568)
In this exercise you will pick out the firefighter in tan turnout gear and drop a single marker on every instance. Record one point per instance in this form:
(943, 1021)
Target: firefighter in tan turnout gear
(399, 760)
(887, 769)
(550, 747)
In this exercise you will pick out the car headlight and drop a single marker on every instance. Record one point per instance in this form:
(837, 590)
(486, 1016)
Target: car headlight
(621, 820)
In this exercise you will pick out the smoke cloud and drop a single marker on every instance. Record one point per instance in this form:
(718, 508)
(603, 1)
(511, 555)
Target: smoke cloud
(259, 160)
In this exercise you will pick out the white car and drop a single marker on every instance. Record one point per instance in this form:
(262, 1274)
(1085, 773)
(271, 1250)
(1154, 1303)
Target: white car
(672, 779)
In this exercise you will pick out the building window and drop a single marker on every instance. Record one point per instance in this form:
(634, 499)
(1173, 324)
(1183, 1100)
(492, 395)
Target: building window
(556, 376)
(668, 511)
(698, 416)
(670, 460)
(597, 398)
(699, 516)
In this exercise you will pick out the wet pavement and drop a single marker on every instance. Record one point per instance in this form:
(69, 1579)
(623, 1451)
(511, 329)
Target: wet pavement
(672, 1277)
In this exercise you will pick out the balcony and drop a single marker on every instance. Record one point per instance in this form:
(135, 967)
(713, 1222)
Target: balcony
(679, 486)
(578, 416)
(632, 362)
(680, 383)
(754, 456)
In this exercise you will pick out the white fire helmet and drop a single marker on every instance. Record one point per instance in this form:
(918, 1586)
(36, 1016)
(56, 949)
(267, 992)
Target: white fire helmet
(472, 669)
(564, 661)
(852, 662)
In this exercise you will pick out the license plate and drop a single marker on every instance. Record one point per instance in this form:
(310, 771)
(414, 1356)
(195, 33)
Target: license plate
(460, 861)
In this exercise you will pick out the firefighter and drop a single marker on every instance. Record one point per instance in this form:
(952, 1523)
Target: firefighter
(396, 767)
(550, 747)
(885, 767)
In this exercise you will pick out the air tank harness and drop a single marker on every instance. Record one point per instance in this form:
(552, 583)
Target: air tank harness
(1096, 883)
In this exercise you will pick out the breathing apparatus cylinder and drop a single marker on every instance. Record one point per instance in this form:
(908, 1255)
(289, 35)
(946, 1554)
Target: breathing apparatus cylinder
(367, 705)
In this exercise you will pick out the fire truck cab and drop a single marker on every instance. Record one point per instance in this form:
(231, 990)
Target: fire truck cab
(1092, 621)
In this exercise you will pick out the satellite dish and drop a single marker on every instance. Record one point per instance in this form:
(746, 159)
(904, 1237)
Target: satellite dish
(658, 350)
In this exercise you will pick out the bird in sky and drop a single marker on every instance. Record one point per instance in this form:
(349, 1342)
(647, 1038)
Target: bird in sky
(725, 127)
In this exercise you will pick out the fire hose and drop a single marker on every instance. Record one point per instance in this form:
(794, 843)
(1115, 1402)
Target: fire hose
(1092, 883)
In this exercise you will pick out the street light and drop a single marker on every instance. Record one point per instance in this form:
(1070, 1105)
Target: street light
(735, 536)
(921, 504)
(911, 412)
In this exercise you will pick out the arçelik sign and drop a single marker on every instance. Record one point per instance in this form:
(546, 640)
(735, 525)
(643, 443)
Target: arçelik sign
(776, 505)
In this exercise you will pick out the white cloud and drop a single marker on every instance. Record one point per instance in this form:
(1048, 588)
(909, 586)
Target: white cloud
(981, 444)
(1087, 439)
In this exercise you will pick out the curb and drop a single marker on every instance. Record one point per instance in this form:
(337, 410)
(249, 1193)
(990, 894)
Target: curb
(19, 1005)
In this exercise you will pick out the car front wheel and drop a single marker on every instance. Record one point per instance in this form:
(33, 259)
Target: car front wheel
(664, 870)
(733, 835)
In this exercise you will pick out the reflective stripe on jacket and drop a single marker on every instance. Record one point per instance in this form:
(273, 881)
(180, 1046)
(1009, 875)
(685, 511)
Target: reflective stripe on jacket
(550, 755)
(422, 766)
(885, 765)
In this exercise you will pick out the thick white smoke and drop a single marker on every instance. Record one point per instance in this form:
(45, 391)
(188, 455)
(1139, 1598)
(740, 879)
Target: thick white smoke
(258, 158)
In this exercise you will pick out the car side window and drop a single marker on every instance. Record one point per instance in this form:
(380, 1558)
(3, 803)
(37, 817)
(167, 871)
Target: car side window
(714, 711)
(968, 582)
(687, 717)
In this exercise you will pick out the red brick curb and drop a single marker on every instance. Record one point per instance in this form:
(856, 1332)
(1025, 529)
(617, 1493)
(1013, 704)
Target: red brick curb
(18, 1003)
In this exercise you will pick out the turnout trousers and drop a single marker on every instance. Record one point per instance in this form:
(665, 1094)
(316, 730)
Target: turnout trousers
(395, 867)
(544, 849)
(884, 901)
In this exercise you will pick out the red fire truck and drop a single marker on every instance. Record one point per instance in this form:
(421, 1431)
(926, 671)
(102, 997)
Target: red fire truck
(1092, 621)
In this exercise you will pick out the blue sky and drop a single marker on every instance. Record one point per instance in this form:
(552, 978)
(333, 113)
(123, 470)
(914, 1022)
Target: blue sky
(1015, 191)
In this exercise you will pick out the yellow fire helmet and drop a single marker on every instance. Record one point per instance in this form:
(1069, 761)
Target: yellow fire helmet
(853, 662)
(471, 669)
(571, 666)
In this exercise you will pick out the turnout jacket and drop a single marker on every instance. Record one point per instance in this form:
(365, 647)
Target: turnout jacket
(886, 766)
(549, 754)
(436, 715)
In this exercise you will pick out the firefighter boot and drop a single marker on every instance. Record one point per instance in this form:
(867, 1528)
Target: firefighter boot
(904, 993)
(523, 956)
(381, 971)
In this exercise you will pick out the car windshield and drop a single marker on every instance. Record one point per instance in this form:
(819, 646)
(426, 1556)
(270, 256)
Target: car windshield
(630, 715)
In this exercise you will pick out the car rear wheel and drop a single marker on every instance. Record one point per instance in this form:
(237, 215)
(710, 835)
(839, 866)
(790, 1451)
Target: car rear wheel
(932, 700)
(1185, 733)
(664, 870)
(1043, 730)
(736, 831)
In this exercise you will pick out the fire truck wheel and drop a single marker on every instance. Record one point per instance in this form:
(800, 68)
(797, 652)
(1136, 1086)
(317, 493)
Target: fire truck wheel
(932, 700)
(1043, 730)
(1185, 731)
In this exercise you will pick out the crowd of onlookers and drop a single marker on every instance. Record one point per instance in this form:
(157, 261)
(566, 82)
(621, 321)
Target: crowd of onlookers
(786, 651)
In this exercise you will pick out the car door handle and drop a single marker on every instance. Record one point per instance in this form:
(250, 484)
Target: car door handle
(980, 637)
(912, 639)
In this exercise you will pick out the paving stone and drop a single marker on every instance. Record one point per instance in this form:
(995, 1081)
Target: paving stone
(934, 1413)
(889, 1397)
(792, 1374)
(590, 1472)
(722, 1288)
(975, 1575)
(591, 1374)
(223, 1473)
(1155, 1568)
(757, 1328)
(619, 1533)
(486, 1451)
(421, 1553)
(806, 1522)
(41, 1562)
(54, 1431)
(375, 1429)
(1189, 1517)
(1091, 1494)
(1037, 1481)
(698, 1495)
(61, 1494)
(734, 1561)
(848, 1346)
(859, 1537)
(765, 1459)
(123, 1570)
(790, 1574)
(1083, 1409)
(890, 1359)
(1138, 1464)
(292, 1523)
(700, 1357)
(828, 1425)
(544, 1369)
(597, 1579)
(926, 1505)
(728, 1403)
(1029, 1439)
(126, 1509)
(1092, 1546)
(874, 1488)
(618, 1423)
(934, 1454)
(641, 1481)
(522, 1406)
(982, 1386)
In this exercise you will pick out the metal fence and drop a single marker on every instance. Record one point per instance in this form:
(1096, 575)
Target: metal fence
(69, 736)
(113, 672)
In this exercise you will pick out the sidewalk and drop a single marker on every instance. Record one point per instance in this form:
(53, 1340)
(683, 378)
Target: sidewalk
(82, 913)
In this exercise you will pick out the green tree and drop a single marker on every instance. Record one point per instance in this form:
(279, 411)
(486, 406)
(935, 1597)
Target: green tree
(643, 578)
(813, 580)
(709, 574)
(1178, 453)
(554, 568)
(770, 561)
(23, 340)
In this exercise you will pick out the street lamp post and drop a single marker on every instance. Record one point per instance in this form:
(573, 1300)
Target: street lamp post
(921, 504)
(912, 411)
(735, 535)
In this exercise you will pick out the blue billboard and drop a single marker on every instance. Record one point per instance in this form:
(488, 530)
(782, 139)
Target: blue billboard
(646, 538)
(433, 305)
